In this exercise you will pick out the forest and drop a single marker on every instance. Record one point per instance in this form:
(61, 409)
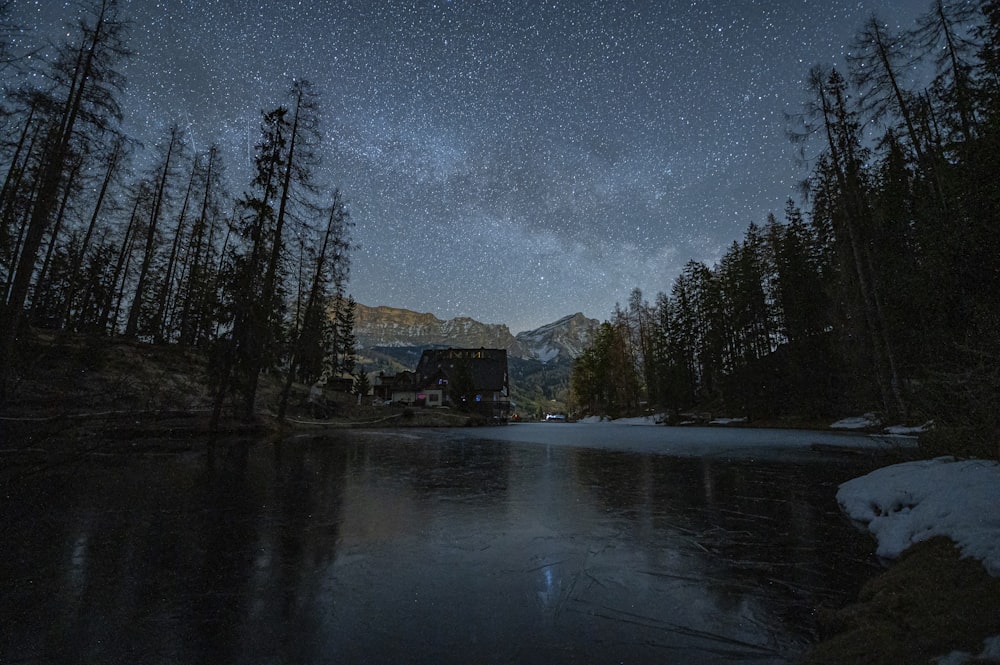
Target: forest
(102, 236)
(879, 291)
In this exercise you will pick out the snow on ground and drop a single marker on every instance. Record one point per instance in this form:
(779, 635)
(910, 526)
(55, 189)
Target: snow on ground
(911, 502)
(871, 421)
(857, 422)
(642, 420)
(990, 654)
(907, 503)
(904, 429)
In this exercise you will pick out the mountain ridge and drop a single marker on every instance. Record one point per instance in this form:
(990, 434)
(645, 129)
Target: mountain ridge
(384, 326)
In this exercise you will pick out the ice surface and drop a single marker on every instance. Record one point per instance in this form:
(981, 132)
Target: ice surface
(644, 435)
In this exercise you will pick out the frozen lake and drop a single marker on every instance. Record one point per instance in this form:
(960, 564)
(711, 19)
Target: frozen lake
(546, 543)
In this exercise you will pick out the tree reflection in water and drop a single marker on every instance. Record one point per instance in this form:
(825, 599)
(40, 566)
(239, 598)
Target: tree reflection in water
(423, 547)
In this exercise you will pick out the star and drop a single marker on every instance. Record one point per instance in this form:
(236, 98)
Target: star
(510, 161)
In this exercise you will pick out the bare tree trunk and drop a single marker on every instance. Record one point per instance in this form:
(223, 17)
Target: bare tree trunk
(166, 288)
(120, 266)
(132, 326)
(845, 168)
(85, 243)
(195, 280)
(315, 293)
(43, 274)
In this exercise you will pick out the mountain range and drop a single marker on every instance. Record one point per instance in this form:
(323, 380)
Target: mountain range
(540, 361)
(556, 342)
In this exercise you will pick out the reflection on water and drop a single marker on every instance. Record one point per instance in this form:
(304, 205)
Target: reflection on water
(378, 547)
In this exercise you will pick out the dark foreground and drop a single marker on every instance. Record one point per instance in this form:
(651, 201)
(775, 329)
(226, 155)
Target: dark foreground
(422, 547)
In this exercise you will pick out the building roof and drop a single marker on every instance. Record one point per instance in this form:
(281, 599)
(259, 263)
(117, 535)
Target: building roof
(487, 367)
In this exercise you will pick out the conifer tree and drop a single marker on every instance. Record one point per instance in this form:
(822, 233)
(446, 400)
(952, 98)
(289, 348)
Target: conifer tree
(877, 62)
(286, 156)
(944, 34)
(346, 339)
(165, 171)
(77, 283)
(311, 334)
(198, 292)
(83, 99)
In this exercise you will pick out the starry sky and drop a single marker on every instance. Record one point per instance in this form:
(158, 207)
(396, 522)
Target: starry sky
(510, 160)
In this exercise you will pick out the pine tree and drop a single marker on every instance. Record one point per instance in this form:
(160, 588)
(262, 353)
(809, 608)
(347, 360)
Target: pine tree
(138, 318)
(944, 33)
(311, 334)
(851, 220)
(346, 341)
(113, 163)
(198, 290)
(83, 105)
(877, 62)
(251, 335)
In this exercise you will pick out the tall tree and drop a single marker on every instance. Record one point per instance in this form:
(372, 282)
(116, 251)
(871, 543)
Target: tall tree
(877, 62)
(14, 197)
(640, 316)
(312, 332)
(241, 354)
(85, 83)
(944, 33)
(346, 353)
(198, 290)
(166, 170)
(112, 164)
(841, 130)
(988, 33)
(286, 157)
(114, 298)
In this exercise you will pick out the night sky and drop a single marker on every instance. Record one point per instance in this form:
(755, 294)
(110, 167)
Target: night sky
(511, 161)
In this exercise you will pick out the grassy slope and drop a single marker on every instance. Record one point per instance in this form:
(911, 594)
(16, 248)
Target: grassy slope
(76, 386)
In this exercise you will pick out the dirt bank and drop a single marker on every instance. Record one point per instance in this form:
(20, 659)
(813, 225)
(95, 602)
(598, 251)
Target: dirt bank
(929, 603)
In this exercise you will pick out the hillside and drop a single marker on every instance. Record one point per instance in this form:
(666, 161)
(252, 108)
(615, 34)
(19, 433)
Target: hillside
(95, 391)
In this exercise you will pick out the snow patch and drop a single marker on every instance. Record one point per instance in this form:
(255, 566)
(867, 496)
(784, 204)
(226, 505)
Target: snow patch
(904, 429)
(990, 654)
(546, 354)
(857, 422)
(656, 419)
(911, 502)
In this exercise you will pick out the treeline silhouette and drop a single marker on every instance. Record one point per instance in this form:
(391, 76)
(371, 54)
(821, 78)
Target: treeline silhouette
(164, 255)
(883, 293)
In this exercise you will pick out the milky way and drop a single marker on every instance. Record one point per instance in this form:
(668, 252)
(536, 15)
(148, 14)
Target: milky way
(509, 161)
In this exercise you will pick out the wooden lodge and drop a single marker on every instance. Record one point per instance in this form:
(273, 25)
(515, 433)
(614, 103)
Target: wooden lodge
(473, 380)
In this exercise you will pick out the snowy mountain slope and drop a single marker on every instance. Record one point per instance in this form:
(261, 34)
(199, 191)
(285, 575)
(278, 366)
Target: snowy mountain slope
(564, 339)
